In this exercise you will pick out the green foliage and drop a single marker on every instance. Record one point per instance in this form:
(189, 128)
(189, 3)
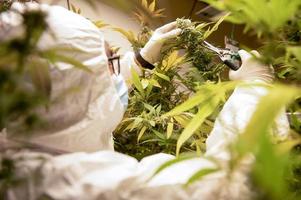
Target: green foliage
(138, 41)
(278, 24)
(172, 162)
(271, 163)
(148, 14)
(7, 175)
(145, 130)
(16, 54)
(266, 16)
(153, 94)
(207, 99)
(200, 174)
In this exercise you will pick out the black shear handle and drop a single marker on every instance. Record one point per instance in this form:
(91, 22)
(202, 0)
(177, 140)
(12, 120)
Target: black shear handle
(234, 65)
(233, 61)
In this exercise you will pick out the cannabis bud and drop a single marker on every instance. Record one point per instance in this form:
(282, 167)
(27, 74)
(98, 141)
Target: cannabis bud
(191, 39)
(183, 23)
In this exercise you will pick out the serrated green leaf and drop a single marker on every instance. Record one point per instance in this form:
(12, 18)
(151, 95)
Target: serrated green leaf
(100, 24)
(136, 123)
(149, 107)
(152, 123)
(141, 133)
(215, 27)
(155, 83)
(130, 36)
(187, 105)
(56, 58)
(144, 83)
(144, 3)
(163, 76)
(159, 135)
(40, 75)
(205, 110)
(183, 121)
(169, 129)
(136, 82)
(152, 6)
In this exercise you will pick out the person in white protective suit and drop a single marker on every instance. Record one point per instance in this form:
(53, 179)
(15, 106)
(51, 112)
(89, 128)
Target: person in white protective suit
(85, 107)
(111, 175)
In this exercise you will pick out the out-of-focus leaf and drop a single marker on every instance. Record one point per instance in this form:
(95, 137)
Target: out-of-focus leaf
(287, 146)
(152, 6)
(155, 83)
(204, 111)
(149, 107)
(215, 27)
(136, 123)
(144, 83)
(169, 129)
(129, 35)
(136, 82)
(160, 135)
(200, 174)
(172, 162)
(141, 133)
(164, 77)
(182, 120)
(40, 76)
(189, 104)
(100, 24)
(54, 58)
(294, 51)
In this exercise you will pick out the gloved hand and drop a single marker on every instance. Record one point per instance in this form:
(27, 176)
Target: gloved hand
(151, 50)
(252, 69)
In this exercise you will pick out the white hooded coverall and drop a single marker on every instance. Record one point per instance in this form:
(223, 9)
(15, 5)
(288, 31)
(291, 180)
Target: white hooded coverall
(85, 107)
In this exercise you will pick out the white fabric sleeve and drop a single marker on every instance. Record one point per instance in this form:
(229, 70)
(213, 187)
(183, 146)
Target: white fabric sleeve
(111, 175)
(126, 64)
(86, 176)
(234, 118)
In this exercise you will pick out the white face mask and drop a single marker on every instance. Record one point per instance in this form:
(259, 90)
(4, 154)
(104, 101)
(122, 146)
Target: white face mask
(121, 89)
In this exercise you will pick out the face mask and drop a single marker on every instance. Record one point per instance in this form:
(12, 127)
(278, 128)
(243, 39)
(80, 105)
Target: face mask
(122, 89)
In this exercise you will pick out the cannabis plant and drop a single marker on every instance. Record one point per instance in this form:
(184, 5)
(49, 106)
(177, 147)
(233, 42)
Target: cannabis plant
(145, 130)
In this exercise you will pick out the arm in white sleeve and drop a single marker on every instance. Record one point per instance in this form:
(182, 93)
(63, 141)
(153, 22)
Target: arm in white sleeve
(240, 107)
(92, 176)
(150, 53)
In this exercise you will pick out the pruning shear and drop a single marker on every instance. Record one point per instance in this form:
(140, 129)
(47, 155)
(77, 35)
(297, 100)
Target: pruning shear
(229, 55)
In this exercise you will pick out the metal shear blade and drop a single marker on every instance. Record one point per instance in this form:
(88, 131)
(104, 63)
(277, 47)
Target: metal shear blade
(230, 58)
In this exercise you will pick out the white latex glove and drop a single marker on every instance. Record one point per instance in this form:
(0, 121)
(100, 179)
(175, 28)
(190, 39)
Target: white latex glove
(252, 69)
(151, 51)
